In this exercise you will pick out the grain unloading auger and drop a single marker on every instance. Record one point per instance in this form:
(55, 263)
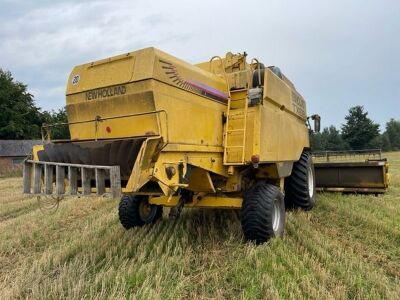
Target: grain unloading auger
(161, 132)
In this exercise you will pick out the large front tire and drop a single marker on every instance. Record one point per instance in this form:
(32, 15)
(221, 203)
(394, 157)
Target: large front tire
(300, 185)
(263, 213)
(136, 211)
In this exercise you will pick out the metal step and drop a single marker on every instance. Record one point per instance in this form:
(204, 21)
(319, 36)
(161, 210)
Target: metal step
(228, 147)
(235, 130)
(70, 179)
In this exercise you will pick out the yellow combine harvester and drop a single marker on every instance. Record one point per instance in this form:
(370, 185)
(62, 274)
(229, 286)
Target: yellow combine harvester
(158, 131)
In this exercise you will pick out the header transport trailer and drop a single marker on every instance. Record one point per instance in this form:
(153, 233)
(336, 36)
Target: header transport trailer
(351, 171)
(159, 132)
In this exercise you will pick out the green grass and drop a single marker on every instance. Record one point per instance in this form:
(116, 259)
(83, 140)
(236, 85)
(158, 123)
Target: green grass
(347, 247)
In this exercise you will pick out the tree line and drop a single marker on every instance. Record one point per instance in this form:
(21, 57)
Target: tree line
(20, 118)
(358, 132)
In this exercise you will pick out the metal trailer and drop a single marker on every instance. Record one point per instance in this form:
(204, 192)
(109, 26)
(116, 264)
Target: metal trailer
(356, 171)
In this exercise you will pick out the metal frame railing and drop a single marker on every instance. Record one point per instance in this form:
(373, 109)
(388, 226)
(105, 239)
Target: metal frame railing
(347, 155)
(46, 128)
(38, 178)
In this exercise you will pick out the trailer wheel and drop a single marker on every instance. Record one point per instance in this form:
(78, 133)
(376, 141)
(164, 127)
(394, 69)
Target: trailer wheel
(136, 211)
(300, 185)
(263, 213)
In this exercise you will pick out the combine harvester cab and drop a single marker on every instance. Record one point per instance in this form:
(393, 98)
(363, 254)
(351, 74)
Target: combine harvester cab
(161, 132)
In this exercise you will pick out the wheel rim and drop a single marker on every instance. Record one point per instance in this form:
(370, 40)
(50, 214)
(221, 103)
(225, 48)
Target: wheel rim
(276, 216)
(310, 181)
(146, 211)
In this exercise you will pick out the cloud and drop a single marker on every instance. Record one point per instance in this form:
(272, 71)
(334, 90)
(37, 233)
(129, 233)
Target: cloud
(338, 54)
(41, 45)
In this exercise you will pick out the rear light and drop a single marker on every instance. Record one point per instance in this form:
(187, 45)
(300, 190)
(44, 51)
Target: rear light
(255, 159)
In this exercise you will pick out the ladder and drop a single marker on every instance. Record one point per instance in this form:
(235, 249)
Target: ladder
(235, 129)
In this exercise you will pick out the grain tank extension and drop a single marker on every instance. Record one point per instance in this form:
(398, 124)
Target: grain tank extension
(160, 132)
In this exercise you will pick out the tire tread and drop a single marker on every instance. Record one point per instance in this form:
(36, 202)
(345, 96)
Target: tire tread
(296, 185)
(128, 212)
(257, 212)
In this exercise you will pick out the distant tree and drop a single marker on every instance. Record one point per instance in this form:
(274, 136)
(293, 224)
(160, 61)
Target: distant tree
(333, 139)
(316, 142)
(385, 145)
(19, 117)
(329, 139)
(379, 142)
(57, 117)
(359, 131)
(393, 134)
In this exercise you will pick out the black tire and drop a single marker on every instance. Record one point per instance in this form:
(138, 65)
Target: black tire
(300, 185)
(263, 213)
(132, 211)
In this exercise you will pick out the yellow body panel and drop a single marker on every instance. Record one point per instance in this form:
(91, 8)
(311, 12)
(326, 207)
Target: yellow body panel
(155, 97)
(179, 112)
(35, 150)
(208, 201)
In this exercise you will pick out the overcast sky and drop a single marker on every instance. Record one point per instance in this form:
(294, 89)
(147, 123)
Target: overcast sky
(338, 53)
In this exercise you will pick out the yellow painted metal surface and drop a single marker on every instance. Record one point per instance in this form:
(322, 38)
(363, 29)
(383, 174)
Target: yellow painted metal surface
(155, 94)
(35, 150)
(200, 181)
(282, 120)
(182, 110)
(276, 130)
(143, 168)
(208, 201)
(137, 66)
(235, 128)
(157, 82)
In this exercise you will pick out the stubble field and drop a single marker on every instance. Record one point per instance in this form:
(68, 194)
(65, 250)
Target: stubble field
(347, 247)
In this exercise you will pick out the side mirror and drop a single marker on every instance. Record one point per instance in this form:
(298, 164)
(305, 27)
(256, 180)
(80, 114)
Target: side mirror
(317, 122)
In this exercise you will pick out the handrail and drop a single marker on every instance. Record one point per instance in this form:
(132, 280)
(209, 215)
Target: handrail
(222, 64)
(51, 163)
(347, 153)
(258, 68)
(46, 128)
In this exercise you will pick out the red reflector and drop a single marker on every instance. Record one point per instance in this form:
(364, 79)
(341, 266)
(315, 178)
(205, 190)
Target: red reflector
(255, 158)
(108, 129)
